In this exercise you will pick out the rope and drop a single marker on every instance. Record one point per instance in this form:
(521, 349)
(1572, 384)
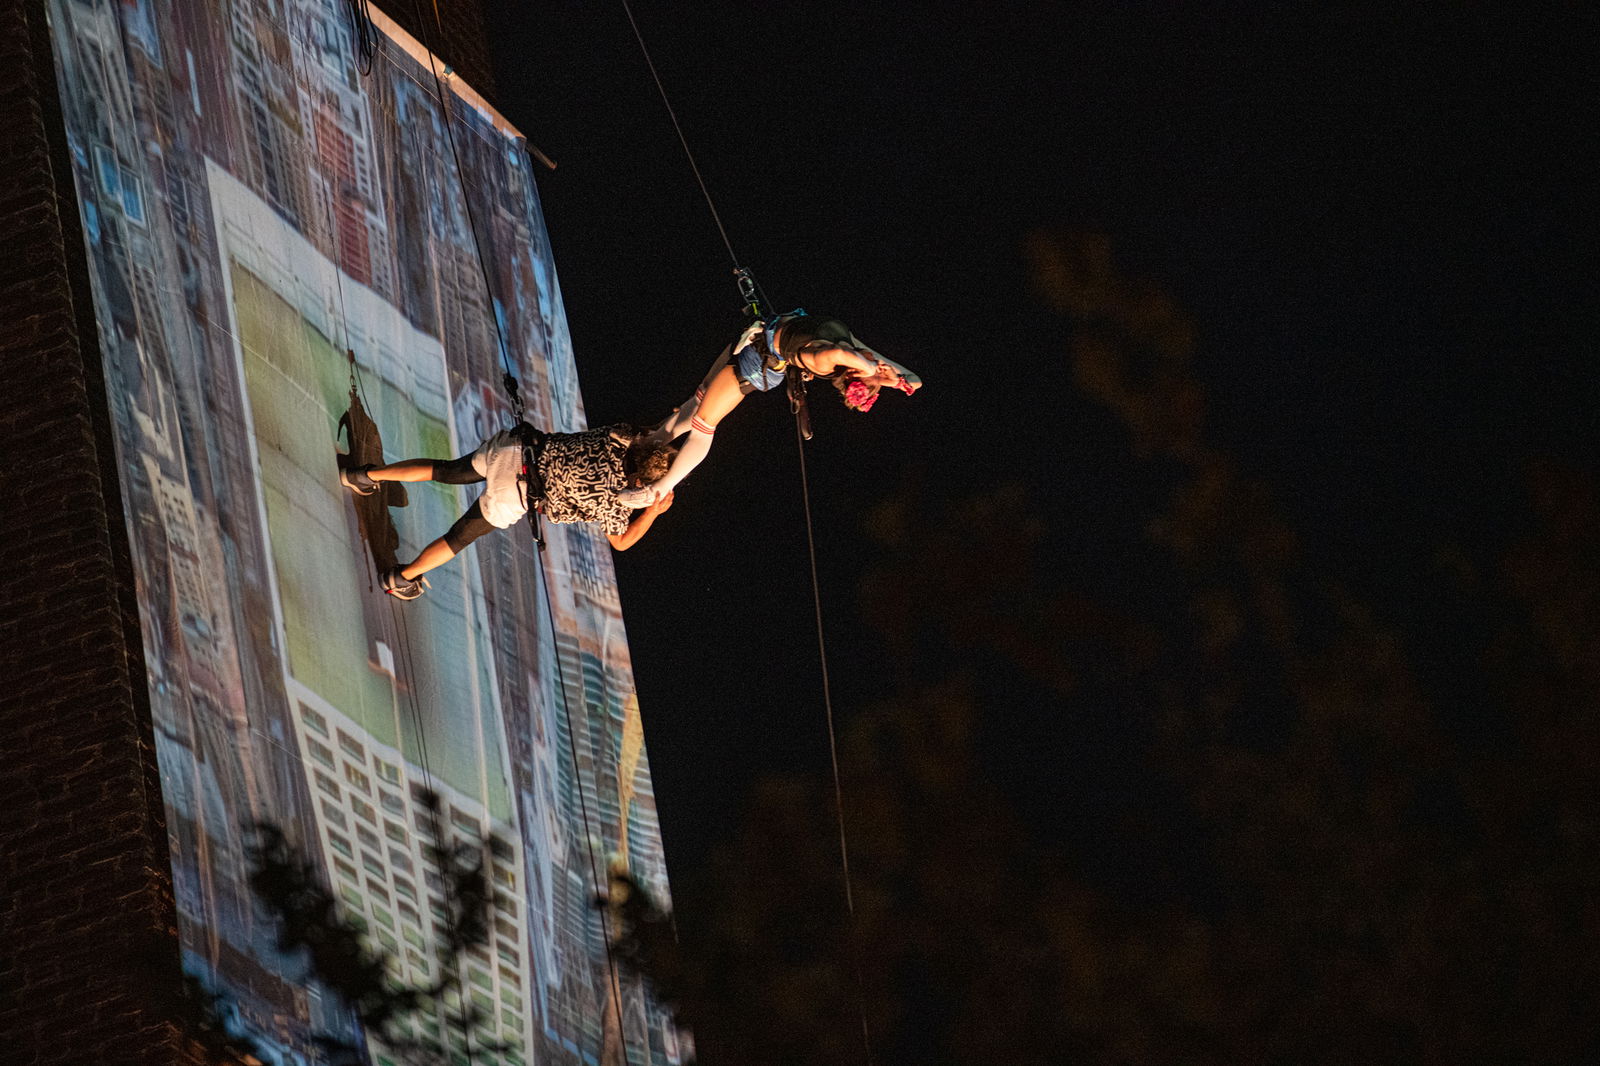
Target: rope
(681, 138)
(756, 301)
(366, 48)
(583, 805)
(614, 992)
(827, 690)
(510, 379)
(748, 286)
(434, 811)
(833, 744)
(362, 34)
(466, 199)
(397, 617)
(399, 620)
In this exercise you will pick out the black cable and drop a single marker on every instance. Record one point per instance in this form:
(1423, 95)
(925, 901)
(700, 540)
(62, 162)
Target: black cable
(833, 744)
(362, 34)
(583, 805)
(466, 198)
(511, 391)
(761, 306)
(681, 138)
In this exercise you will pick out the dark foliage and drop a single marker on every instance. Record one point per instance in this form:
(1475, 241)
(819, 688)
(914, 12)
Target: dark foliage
(337, 956)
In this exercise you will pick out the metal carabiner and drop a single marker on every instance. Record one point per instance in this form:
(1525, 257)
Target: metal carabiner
(747, 291)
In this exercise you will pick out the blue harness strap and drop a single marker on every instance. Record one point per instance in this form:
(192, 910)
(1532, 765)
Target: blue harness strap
(759, 363)
(771, 358)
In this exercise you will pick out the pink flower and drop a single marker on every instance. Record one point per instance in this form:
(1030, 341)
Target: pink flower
(860, 396)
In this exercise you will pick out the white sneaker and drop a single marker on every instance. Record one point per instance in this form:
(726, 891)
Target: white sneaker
(640, 497)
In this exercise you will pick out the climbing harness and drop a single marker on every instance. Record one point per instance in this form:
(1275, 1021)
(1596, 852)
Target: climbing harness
(529, 483)
(795, 373)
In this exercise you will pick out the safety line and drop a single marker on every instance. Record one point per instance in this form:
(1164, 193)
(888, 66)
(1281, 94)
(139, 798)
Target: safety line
(816, 592)
(398, 622)
(403, 628)
(614, 992)
(681, 138)
(827, 691)
(583, 805)
(435, 824)
(461, 182)
(362, 33)
(833, 745)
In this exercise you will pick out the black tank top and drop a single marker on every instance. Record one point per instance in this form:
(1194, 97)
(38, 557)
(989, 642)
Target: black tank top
(803, 330)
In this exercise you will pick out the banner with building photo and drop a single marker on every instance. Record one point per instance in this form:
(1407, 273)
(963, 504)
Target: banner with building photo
(285, 250)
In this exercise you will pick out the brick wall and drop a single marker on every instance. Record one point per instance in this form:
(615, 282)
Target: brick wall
(85, 897)
(88, 941)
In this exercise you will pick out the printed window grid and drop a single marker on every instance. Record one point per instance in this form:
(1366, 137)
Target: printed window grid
(352, 747)
(504, 979)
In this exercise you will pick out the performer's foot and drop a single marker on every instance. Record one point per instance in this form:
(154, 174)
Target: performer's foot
(356, 480)
(402, 587)
(640, 497)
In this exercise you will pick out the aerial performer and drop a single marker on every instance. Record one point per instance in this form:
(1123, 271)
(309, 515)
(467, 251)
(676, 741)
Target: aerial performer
(576, 477)
(814, 346)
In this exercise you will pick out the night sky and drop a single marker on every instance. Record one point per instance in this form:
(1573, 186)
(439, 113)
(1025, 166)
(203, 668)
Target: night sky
(1371, 217)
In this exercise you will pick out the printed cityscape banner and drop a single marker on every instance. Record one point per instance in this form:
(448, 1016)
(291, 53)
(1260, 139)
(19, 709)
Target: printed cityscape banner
(284, 269)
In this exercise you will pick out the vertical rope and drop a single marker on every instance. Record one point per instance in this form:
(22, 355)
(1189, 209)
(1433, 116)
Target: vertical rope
(615, 992)
(833, 743)
(827, 689)
(615, 989)
(396, 614)
(626, 7)
(749, 286)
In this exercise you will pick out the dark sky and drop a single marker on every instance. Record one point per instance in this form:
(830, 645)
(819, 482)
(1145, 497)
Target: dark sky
(1371, 214)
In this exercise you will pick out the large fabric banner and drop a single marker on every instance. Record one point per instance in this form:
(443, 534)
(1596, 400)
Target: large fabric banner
(297, 254)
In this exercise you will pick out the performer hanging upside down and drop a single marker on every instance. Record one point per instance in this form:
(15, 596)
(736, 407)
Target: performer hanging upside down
(759, 361)
(576, 478)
